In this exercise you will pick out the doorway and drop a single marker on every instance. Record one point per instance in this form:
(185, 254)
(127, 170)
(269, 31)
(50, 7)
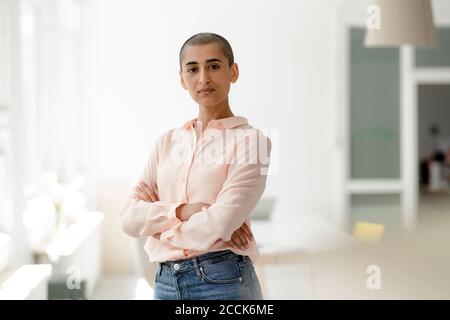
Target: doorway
(434, 150)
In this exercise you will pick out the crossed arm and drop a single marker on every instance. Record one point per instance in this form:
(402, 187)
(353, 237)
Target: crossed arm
(197, 226)
(239, 238)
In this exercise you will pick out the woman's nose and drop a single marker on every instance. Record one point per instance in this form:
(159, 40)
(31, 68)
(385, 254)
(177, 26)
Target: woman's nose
(204, 77)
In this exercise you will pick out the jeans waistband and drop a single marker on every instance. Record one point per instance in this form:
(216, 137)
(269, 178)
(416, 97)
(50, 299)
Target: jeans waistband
(185, 264)
(203, 257)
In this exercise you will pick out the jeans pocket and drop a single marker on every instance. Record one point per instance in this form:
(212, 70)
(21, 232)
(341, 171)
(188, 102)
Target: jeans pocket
(224, 272)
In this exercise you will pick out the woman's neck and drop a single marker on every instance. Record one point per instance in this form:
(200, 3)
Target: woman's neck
(206, 114)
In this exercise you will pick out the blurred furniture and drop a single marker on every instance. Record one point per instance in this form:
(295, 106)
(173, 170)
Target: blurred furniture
(28, 282)
(75, 253)
(293, 239)
(368, 232)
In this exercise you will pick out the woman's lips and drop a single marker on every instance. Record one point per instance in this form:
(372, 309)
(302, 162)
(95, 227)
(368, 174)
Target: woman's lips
(205, 92)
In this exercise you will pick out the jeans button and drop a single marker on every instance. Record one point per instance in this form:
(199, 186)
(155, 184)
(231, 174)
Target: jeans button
(176, 266)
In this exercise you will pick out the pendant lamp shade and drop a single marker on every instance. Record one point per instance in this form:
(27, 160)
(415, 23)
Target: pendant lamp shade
(401, 22)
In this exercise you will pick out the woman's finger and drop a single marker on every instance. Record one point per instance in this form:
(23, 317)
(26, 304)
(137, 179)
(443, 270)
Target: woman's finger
(237, 240)
(236, 243)
(240, 239)
(144, 189)
(243, 237)
(137, 189)
(247, 231)
(153, 194)
(155, 189)
(141, 196)
(150, 193)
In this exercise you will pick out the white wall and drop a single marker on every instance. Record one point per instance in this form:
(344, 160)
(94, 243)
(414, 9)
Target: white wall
(286, 53)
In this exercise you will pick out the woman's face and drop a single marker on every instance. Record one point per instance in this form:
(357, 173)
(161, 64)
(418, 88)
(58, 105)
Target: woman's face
(206, 74)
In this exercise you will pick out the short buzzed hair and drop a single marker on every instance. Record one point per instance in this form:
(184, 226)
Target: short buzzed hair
(208, 37)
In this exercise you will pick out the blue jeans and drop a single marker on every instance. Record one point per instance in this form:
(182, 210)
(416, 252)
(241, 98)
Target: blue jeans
(220, 275)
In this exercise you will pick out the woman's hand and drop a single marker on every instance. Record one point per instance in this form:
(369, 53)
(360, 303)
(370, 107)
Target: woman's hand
(185, 211)
(145, 192)
(239, 238)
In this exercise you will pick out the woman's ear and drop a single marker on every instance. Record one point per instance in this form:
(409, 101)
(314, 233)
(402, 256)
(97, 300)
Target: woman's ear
(234, 72)
(182, 80)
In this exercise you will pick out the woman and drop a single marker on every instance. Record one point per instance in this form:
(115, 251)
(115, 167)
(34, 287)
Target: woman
(200, 185)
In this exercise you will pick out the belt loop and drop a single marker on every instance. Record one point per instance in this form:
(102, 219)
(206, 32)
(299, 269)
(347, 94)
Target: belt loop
(196, 267)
